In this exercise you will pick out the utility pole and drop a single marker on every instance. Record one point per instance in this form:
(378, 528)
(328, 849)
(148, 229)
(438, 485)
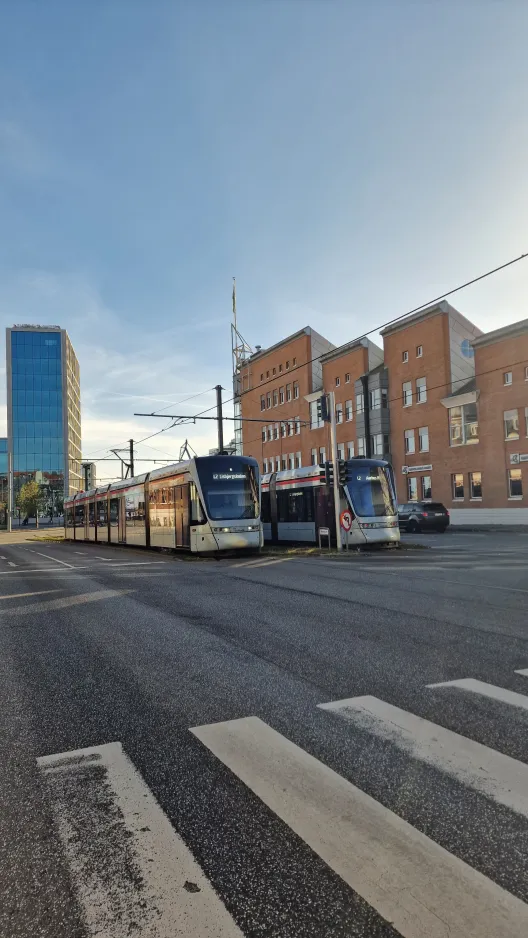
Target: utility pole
(333, 446)
(86, 478)
(219, 418)
(131, 458)
(10, 491)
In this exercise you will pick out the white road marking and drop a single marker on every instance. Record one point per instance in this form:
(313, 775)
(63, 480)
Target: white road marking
(140, 563)
(65, 602)
(261, 563)
(21, 595)
(523, 671)
(495, 775)
(11, 564)
(82, 553)
(115, 835)
(248, 563)
(102, 558)
(3, 558)
(414, 883)
(50, 557)
(487, 690)
(39, 570)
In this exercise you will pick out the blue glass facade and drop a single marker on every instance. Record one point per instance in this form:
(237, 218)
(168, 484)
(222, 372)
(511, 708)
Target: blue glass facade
(36, 413)
(3, 456)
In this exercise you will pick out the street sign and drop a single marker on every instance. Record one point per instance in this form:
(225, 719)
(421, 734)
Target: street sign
(345, 519)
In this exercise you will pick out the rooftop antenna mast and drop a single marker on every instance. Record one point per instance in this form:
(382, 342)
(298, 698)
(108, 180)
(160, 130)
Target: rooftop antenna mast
(240, 352)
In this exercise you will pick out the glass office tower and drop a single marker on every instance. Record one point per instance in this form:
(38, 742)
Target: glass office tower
(43, 411)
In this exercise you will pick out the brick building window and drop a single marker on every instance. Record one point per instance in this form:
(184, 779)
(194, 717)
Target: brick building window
(287, 364)
(268, 399)
(458, 486)
(298, 458)
(274, 371)
(294, 362)
(265, 466)
(347, 377)
(405, 357)
(511, 424)
(409, 441)
(463, 425)
(423, 439)
(427, 489)
(276, 432)
(407, 393)
(267, 374)
(339, 413)
(377, 443)
(297, 424)
(508, 378)
(314, 457)
(337, 382)
(361, 446)
(475, 485)
(263, 403)
(284, 464)
(359, 403)
(526, 419)
(262, 376)
(275, 398)
(291, 461)
(281, 395)
(419, 351)
(288, 393)
(526, 373)
(295, 390)
(340, 450)
(280, 368)
(350, 450)
(412, 488)
(322, 455)
(421, 390)
(515, 483)
(375, 399)
(349, 410)
(282, 428)
(263, 434)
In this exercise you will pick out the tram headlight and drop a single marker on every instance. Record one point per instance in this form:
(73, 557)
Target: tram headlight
(237, 530)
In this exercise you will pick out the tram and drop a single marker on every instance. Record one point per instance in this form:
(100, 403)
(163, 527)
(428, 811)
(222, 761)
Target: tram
(204, 505)
(297, 503)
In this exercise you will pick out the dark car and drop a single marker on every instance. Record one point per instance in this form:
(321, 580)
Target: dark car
(423, 516)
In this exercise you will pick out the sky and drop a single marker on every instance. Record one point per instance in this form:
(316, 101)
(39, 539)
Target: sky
(346, 161)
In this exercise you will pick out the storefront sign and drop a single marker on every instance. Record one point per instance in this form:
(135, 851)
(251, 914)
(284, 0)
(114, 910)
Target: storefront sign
(407, 469)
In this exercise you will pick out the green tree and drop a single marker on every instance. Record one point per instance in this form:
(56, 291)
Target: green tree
(30, 499)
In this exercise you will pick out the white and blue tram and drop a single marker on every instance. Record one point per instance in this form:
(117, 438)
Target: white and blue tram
(208, 504)
(298, 502)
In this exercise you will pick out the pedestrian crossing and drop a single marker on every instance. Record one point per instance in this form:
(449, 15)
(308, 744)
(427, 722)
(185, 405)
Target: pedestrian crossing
(115, 834)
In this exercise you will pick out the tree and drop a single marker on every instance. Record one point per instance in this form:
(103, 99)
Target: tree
(30, 499)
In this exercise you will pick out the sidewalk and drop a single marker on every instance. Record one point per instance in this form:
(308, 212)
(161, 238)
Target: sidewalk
(22, 536)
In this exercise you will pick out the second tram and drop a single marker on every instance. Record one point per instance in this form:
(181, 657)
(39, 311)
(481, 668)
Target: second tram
(298, 502)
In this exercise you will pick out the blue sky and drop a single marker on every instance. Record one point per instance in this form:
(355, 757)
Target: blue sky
(346, 161)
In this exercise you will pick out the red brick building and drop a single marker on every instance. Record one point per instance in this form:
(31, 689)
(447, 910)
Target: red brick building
(445, 403)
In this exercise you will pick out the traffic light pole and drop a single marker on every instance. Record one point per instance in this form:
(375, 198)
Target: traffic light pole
(333, 445)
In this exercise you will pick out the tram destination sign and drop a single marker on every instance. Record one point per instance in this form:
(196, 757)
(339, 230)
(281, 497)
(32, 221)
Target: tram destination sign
(228, 476)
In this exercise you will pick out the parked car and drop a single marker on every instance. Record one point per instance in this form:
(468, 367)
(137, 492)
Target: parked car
(423, 516)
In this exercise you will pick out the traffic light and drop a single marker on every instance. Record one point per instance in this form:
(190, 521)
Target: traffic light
(342, 471)
(329, 472)
(323, 414)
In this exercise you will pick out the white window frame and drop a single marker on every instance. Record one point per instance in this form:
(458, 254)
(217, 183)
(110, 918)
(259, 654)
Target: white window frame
(291, 427)
(513, 435)
(314, 456)
(422, 485)
(281, 395)
(265, 466)
(510, 496)
(275, 398)
(296, 390)
(351, 450)
(423, 431)
(405, 357)
(298, 460)
(408, 438)
(276, 431)
(412, 483)
(322, 458)
(472, 497)
(508, 379)
(283, 462)
(419, 351)
(526, 372)
(338, 382)
(268, 400)
(263, 402)
(361, 446)
(264, 435)
(347, 377)
(421, 391)
(375, 441)
(340, 450)
(454, 477)
(297, 424)
(359, 403)
(407, 393)
(288, 393)
(291, 460)
(349, 411)
(375, 399)
(339, 413)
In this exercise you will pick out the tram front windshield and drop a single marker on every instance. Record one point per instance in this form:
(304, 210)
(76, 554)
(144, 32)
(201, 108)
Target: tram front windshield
(230, 488)
(370, 492)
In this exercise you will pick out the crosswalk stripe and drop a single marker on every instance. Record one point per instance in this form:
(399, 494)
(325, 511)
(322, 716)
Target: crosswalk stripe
(116, 835)
(495, 775)
(487, 690)
(414, 883)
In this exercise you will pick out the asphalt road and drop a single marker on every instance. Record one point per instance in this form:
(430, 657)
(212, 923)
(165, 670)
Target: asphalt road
(213, 795)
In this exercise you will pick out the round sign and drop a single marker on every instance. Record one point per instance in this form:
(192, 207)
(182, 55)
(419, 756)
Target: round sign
(346, 520)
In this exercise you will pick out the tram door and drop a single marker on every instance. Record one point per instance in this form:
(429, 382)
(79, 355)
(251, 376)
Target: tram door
(122, 520)
(183, 534)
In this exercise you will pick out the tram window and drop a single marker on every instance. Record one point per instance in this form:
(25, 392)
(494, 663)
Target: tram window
(295, 505)
(134, 509)
(79, 516)
(101, 512)
(265, 509)
(114, 511)
(197, 515)
(91, 514)
(69, 516)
